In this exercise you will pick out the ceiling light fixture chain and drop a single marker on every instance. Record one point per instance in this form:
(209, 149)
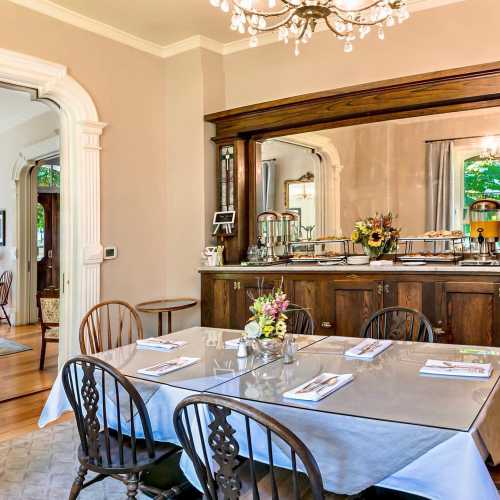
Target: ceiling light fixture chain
(298, 19)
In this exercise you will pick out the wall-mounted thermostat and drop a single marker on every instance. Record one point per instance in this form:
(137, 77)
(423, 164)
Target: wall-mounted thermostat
(110, 253)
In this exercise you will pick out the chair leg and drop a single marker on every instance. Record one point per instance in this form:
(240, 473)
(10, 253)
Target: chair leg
(132, 485)
(78, 483)
(6, 316)
(42, 353)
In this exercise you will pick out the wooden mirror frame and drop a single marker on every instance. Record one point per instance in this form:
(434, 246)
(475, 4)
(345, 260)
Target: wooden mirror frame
(471, 87)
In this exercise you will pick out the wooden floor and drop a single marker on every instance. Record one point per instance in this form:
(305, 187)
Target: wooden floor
(20, 373)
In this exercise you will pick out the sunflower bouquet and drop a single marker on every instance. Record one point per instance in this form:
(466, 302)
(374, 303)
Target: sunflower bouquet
(377, 235)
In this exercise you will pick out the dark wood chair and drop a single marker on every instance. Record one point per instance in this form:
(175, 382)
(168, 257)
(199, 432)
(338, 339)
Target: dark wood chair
(398, 323)
(110, 452)
(5, 284)
(108, 325)
(300, 320)
(238, 477)
(48, 305)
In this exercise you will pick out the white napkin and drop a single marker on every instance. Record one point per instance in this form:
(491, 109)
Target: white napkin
(457, 368)
(168, 366)
(159, 344)
(368, 348)
(314, 391)
(232, 344)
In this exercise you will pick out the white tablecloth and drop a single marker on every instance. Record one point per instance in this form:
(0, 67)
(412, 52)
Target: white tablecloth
(353, 453)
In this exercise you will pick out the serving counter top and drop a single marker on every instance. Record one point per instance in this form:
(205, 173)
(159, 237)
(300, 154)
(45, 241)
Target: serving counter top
(345, 268)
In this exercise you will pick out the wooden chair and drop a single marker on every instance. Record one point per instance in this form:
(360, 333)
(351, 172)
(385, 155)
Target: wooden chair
(47, 302)
(5, 284)
(237, 477)
(398, 323)
(108, 325)
(108, 451)
(300, 320)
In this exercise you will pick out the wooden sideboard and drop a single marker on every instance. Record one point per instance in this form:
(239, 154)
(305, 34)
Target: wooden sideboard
(465, 304)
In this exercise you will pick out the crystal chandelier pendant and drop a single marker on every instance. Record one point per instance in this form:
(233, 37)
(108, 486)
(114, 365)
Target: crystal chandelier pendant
(299, 19)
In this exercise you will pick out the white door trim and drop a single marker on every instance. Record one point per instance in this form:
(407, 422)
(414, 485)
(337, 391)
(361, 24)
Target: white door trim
(81, 249)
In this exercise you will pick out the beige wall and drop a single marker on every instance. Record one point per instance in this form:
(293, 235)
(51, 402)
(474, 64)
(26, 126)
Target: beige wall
(446, 37)
(128, 89)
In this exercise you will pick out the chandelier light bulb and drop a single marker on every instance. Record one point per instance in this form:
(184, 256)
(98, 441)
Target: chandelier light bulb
(345, 18)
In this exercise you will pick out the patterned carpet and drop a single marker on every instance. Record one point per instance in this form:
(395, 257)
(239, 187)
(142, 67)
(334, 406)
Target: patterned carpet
(10, 347)
(42, 465)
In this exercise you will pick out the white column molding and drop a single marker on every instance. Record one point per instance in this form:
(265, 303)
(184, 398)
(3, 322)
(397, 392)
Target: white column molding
(81, 249)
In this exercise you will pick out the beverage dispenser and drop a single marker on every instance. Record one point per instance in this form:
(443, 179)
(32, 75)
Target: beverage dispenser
(484, 218)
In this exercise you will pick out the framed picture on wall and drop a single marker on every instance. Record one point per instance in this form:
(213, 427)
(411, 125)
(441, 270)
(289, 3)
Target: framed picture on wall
(2, 228)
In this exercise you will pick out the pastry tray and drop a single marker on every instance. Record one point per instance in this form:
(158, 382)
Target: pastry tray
(429, 258)
(319, 258)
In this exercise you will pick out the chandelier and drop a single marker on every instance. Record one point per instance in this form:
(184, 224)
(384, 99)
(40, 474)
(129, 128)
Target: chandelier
(489, 148)
(298, 19)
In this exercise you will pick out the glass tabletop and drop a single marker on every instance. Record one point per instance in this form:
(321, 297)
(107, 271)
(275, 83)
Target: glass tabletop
(166, 305)
(389, 387)
(217, 364)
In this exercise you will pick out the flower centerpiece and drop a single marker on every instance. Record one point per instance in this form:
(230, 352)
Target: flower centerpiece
(377, 235)
(267, 325)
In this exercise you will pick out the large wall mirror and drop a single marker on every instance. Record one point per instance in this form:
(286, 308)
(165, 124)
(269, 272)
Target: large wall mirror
(426, 170)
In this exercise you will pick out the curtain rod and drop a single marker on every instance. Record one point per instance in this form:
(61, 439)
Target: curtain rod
(463, 138)
(295, 144)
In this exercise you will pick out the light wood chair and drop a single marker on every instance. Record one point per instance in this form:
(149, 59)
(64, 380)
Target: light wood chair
(48, 305)
(108, 325)
(5, 284)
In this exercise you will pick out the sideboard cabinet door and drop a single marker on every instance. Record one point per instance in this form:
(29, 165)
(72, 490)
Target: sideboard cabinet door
(470, 311)
(353, 302)
(216, 301)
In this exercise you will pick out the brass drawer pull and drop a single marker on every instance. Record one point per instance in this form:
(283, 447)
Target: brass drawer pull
(353, 276)
(326, 324)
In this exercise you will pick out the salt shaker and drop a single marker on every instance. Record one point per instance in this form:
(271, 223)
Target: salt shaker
(242, 349)
(289, 349)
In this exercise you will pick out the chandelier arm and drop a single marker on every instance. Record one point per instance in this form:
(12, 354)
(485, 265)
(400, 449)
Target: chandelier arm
(364, 23)
(274, 26)
(251, 12)
(332, 28)
(302, 31)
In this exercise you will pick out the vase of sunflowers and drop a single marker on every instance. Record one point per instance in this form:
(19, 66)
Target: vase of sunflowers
(377, 235)
(267, 325)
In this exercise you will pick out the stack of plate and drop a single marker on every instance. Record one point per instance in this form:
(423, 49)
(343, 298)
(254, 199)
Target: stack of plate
(358, 260)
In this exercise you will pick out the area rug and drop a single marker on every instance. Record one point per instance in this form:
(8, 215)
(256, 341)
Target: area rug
(42, 465)
(10, 347)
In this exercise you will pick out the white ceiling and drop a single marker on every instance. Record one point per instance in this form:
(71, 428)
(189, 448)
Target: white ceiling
(16, 107)
(156, 25)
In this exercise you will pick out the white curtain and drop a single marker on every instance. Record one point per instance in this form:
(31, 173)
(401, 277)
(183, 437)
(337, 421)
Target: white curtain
(324, 180)
(268, 184)
(439, 156)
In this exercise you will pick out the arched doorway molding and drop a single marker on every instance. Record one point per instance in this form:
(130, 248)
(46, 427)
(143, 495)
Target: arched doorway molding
(327, 175)
(81, 249)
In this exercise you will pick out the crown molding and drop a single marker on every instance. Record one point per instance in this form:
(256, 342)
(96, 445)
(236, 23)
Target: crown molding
(68, 16)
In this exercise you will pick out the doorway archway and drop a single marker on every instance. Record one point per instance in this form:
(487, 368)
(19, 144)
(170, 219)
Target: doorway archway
(81, 248)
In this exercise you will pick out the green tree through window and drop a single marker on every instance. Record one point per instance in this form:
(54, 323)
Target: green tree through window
(481, 180)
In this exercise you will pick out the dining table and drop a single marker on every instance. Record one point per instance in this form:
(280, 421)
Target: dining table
(390, 426)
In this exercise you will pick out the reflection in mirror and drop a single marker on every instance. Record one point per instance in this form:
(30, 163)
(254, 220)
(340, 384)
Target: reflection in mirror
(426, 170)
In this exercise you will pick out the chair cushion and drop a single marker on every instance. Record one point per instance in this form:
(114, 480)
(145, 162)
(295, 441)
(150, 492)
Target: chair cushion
(52, 333)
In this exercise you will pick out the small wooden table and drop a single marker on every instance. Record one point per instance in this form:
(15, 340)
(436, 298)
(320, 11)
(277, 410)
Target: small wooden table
(165, 305)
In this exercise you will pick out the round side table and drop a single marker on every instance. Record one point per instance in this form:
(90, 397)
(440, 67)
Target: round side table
(165, 306)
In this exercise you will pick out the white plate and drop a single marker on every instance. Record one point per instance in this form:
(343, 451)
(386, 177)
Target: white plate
(358, 259)
(414, 263)
(329, 262)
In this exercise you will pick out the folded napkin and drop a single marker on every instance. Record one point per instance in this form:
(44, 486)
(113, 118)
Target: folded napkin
(159, 344)
(368, 348)
(168, 366)
(232, 344)
(319, 387)
(457, 368)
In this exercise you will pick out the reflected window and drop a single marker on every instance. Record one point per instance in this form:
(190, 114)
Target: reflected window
(48, 177)
(40, 232)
